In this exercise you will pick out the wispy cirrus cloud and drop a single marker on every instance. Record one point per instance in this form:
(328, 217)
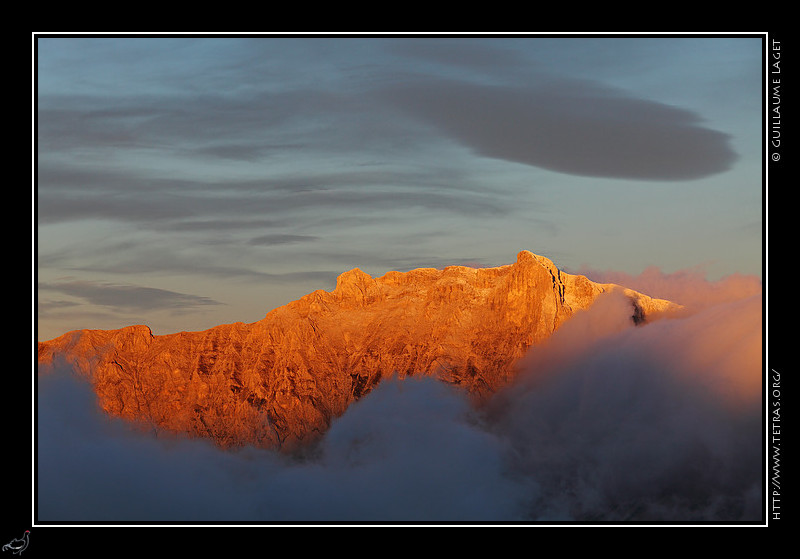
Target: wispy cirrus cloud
(127, 297)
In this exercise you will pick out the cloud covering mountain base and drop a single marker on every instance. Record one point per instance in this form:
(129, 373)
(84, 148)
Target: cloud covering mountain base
(605, 421)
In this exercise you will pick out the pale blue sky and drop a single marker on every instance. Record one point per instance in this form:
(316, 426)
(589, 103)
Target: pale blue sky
(187, 182)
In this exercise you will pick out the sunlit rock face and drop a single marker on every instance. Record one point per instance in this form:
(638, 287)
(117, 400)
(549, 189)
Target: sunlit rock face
(279, 382)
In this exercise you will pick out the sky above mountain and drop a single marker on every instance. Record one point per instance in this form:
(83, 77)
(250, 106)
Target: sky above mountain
(185, 182)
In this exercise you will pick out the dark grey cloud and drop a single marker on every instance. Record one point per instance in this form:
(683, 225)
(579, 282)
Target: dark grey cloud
(569, 126)
(242, 151)
(219, 225)
(361, 177)
(170, 120)
(59, 207)
(280, 239)
(127, 297)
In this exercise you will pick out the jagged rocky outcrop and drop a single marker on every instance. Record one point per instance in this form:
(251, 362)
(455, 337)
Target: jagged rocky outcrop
(279, 382)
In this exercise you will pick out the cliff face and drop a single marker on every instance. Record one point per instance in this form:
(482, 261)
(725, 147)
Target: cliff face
(280, 381)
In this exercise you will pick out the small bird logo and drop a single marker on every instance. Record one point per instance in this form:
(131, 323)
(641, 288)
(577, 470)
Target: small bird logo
(18, 545)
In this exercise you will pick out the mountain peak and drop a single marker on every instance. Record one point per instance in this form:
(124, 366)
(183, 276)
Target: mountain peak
(526, 256)
(354, 286)
(353, 278)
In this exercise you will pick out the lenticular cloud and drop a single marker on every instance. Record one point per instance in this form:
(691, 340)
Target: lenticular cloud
(606, 421)
(574, 127)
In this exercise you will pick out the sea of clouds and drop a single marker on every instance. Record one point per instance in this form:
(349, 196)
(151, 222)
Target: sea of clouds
(605, 422)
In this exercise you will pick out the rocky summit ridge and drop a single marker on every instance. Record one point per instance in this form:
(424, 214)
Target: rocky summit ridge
(280, 381)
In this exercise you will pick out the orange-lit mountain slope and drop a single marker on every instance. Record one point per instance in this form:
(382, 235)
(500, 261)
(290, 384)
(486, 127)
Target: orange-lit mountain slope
(280, 381)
